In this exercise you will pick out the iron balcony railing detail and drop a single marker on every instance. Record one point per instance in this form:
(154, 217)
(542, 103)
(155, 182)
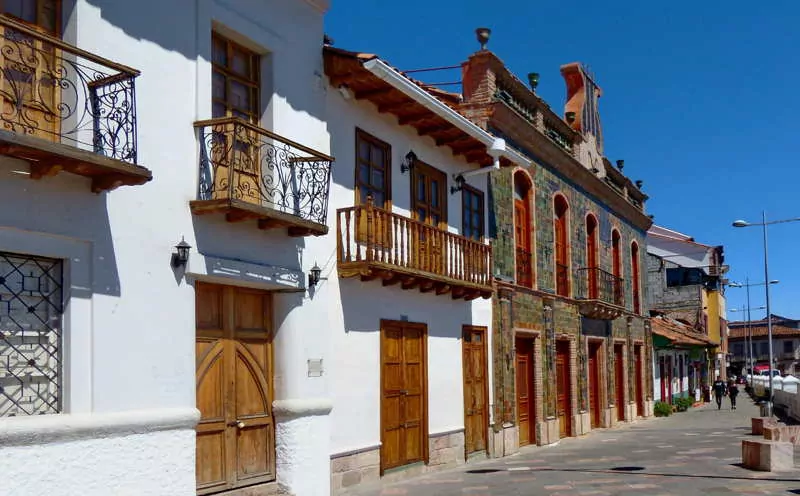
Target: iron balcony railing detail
(240, 161)
(595, 283)
(371, 234)
(524, 267)
(57, 92)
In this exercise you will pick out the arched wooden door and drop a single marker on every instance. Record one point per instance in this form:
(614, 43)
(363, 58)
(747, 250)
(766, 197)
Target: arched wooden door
(235, 435)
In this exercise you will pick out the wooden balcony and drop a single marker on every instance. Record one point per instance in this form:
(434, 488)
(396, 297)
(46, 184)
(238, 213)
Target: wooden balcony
(375, 244)
(249, 173)
(601, 294)
(65, 109)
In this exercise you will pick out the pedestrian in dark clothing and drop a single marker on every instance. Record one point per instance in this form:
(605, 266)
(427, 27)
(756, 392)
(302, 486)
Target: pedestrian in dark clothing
(733, 391)
(720, 389)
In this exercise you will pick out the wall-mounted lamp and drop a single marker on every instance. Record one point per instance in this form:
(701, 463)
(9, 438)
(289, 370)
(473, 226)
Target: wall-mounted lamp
(570, 116)
(533, 80)
(314, 276)
(459, 179)
(181, 255)
(406, 166)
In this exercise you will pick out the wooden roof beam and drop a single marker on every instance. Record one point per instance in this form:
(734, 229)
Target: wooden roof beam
(392, 107)
(413, 117)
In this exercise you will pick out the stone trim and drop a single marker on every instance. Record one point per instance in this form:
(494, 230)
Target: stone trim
(355, 451)
(294, 408)
(44, 429)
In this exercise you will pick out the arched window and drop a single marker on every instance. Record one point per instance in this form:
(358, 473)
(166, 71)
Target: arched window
(522, 228)
(561, 239)
(637, 306)
(616, 268)
(591, 256)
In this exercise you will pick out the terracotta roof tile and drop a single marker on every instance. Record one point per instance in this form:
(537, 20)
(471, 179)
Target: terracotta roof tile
(679, 333)
(761, 331)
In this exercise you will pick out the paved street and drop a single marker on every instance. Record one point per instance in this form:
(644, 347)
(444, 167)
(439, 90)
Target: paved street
(691, 453)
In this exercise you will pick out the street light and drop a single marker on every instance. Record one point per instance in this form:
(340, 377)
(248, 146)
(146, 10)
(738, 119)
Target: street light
(747, 285)
(764, 224)
(748, 342)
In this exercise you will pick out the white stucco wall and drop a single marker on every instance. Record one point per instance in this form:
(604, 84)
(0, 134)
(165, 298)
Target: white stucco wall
(355, 308)
(129, 321)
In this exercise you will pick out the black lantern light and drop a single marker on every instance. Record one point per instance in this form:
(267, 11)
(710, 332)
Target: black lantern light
(181, 255)
(314, 276)
(570, 117)
(459, 179)
(406, 166)
(533, 80)
(482, 34)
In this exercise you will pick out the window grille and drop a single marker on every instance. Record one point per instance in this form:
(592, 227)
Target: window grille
(30, 335)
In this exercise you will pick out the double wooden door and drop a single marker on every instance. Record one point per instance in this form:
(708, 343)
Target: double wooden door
(563, 389)
(526, 391)
(619, 381)
(476, 419)
(404, 416)
(637, 384)
(429, 206)
(594, 384)
(236, 433)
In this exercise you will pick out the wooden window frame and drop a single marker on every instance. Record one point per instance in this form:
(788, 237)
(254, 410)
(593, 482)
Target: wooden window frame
(443, 206)
(387, 172)
(466, 228)
(57, 6)
(636, 267)
(253, 82)
(564, 220)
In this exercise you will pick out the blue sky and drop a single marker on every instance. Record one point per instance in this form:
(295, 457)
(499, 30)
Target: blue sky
(697, 100)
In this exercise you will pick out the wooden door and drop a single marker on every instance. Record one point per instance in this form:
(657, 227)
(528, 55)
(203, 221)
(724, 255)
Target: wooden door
(638, 385)
(476, 389)
(563, 386)
(31, 73)
(236, 435)
(591, 256)
(522, 236)
(526, 391)
(561, 246)
(429, 206)
(594, 385)
(404, 417)
(619, 381)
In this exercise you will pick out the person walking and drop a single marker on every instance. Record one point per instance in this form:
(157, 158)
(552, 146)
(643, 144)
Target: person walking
(720, 389)
(733, 391)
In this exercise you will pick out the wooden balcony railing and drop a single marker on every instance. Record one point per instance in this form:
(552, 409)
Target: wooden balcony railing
(54, 94)
(250, 173)
(594, 283)
(374, 243)
(524, 267)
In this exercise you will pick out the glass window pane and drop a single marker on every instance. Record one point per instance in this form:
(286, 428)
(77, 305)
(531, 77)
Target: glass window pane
(377, 178)
(363, 193)
(421, 191)
(363, 173)
(240, 96)
(23, 9)
(218, 85)
(476, 220)
(363, 150)
(218, 52)
(476, 338)
(378, 198)
(421, 214)
(217, 110)
(378, 156)
(435, 193)
(241, 63)
(434, 219)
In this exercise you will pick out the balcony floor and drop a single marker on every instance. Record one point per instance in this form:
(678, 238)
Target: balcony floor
(409, 278)
(47, 158)
(267, 218)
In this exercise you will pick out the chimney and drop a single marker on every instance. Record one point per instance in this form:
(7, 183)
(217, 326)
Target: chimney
(583, 96)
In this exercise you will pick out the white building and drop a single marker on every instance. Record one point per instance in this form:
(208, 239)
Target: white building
(409, 315)
(109, 344)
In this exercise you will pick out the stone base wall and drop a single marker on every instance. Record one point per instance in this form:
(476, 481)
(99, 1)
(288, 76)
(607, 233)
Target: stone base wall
(355, 467)
(648, 408)
(348, 470)
(504, 442)
(581, 423)
(630, 412)
(608, 417)
(548, 432)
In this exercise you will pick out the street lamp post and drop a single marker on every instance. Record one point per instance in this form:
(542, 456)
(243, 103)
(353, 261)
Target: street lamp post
(764, 224)
(747, 285)
(748, 337)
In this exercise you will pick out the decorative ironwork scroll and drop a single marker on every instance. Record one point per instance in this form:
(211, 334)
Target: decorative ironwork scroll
(57, 92)
(240, 161)
(596, 284)
(30, 335)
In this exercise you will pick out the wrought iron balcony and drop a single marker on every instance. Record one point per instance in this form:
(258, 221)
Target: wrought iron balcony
(65, 109)
(250, 173)
(524, 267)
(601, 293)
(374, 243)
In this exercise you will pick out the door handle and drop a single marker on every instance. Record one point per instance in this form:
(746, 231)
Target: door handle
(236, 423)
